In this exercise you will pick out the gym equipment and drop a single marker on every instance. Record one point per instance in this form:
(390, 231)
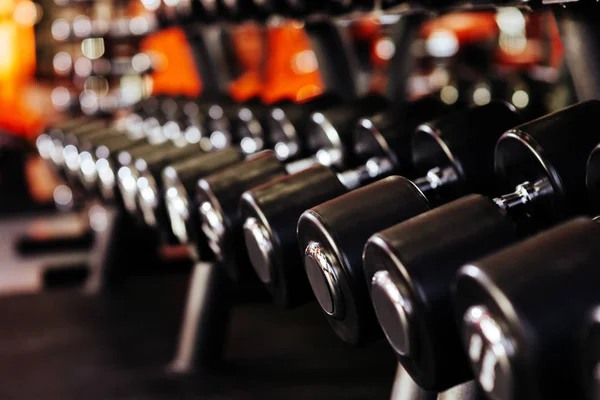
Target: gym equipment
(270, 212)
(453, 155)
(410, 266)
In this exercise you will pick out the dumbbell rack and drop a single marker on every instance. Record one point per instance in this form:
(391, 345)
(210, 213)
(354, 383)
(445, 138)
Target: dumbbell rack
(207, 309)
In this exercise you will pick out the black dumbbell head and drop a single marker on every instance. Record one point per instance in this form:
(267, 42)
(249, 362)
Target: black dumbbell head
(464, 140)
(219, 126)
(270, 213)
(392, 130)
(555, 148)
(218, 197)
(521, 312)
(127, 174)
(283, 127)
(331, 237)
(105, 156)
(287, 124)
(179, 182)
(149, 195)
(68, 124)
(409, 269)
(78, 130)
(277, 206)
(249, 125)
(439, 145)
(337, 125)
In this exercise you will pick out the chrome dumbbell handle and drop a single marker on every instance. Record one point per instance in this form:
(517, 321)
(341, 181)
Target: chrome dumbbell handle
(373, 168)
(436, 178)
(524, 195)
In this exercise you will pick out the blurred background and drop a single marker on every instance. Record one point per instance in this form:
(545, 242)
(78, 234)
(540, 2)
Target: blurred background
(63, 58)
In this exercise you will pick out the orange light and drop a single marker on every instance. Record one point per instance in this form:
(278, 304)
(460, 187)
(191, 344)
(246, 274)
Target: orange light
(291, 70)
(17, 65)
(176, 73)
(248, 48)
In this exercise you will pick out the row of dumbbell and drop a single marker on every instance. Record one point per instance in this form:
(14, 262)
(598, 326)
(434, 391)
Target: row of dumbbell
(89, 153)
(412, 255)
(411, 264)
(455, 156)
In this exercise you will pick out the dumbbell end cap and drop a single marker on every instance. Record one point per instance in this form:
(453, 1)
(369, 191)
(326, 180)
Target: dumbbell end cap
(260, 249)
(392, 311)
(323, 280)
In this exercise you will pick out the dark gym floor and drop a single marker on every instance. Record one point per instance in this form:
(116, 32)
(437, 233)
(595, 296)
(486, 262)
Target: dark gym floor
(64, 344)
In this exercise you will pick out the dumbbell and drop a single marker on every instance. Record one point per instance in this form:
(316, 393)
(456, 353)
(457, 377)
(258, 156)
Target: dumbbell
(270, 211)
(541, 317)
(287, 122)
(453, 155)
(77, 154)
(221, 124)
(217, 134)
(251, 126)
(286, 126)
(410, 266)
(249, 123)
(218, 195)
(95, 169)
(51, 144)
(521, 311)
(138, 125)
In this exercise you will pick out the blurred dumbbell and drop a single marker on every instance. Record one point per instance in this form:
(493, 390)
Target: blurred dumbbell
(51, 144)
(453, 154)
(287, 137)
(287, 123)
(89, 158)
(77, 154)
(250, 124)
(218, 195)
(211, 128)
(410, 266)
(270, 212)
(251, 128)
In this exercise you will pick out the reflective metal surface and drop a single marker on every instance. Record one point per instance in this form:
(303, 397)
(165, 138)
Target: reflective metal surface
(392, 311)
(213, 226)
(489, 351)
(321, 272)
(260, 248)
